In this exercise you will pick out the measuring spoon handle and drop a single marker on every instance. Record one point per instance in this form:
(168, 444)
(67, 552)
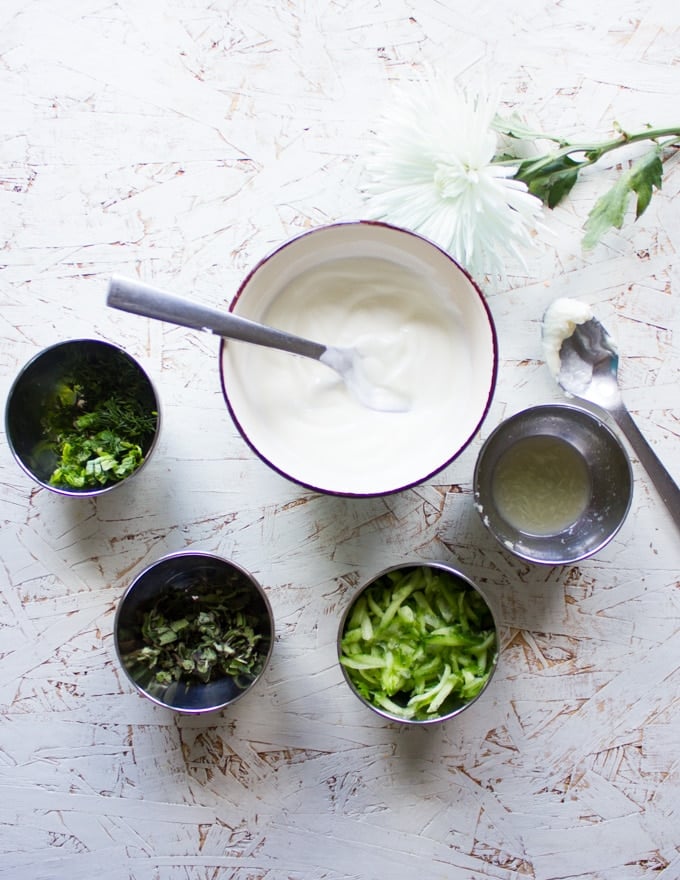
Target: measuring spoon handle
(665, 484)
(130, 295)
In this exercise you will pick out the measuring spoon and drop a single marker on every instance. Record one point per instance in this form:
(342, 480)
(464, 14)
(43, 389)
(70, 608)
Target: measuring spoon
(588, 369)
(133, 296)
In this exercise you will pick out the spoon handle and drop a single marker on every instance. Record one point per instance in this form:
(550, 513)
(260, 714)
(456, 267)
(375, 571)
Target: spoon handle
(665, 484)
(133, 296)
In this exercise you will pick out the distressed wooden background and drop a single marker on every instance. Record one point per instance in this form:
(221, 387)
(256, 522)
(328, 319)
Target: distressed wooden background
(180, 142)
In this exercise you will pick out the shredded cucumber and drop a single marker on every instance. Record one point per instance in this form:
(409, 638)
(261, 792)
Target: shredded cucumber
(418, 643)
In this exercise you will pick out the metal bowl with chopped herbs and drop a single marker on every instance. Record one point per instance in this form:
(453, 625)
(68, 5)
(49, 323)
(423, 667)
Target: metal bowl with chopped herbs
(81, 417)
(194, 632)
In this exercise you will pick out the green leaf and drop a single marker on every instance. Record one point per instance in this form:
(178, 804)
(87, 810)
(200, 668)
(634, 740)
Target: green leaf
(610, 209)
(549, 178)
(648, 176)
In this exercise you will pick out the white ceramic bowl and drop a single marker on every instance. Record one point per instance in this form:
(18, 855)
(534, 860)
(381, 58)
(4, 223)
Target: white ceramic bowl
(370, 453)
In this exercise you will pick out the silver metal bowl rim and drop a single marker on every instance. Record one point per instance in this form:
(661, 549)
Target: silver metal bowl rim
(596, 420)
(417, 563)
(212, 557)
(494, 370)
(60, 490)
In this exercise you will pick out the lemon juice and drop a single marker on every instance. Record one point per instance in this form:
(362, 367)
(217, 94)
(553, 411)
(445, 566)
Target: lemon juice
(541, 485)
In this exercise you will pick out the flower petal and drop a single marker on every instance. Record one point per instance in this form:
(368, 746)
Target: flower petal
(432, 170)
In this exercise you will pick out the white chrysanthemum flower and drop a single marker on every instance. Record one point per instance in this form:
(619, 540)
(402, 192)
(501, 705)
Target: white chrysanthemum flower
(432, 171)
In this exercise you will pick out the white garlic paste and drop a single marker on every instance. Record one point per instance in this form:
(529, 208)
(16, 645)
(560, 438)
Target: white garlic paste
(299, 414)
(559, 323)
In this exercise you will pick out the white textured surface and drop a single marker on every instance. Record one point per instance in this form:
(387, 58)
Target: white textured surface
(180, 142)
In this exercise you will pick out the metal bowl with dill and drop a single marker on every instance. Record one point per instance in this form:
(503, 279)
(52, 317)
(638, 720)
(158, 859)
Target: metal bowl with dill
(81, 417)
(194, 632)
(419, 643)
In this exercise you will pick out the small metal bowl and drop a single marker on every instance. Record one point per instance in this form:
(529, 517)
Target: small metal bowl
(582, 470)
(438, 595)
(35, 386)
(182, 578)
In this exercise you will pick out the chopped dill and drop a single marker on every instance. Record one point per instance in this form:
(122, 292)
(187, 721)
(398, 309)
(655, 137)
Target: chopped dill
(97, 422)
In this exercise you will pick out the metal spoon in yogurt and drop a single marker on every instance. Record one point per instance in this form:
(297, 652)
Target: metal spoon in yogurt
(130, 295)
(584, 360)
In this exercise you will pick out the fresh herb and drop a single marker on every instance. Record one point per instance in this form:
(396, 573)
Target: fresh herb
(96, 423)
(419, 642)
(203, 631)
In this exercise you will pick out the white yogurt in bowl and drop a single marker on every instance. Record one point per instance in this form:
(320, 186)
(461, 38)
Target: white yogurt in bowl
(427, 338)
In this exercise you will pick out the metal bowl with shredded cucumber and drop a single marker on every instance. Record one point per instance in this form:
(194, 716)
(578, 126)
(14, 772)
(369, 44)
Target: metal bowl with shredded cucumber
(419, 643)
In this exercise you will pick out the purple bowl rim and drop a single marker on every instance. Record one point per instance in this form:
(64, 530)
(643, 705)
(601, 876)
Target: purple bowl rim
(439, 468)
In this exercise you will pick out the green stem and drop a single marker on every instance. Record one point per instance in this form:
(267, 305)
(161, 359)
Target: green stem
(596, 151)
(593, 152)
(551, 176)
